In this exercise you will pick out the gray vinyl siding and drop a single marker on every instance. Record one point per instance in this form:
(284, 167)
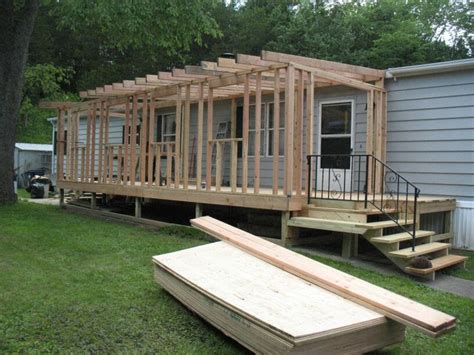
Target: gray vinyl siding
(430, 137)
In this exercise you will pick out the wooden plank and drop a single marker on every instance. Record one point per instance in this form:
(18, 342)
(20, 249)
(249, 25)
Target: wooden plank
(177, 161)
(83, 163)
(76, 145)
(143, 139)
(392, 305)
(233, 145)
(151, 140)
(93, 129)
(126, 158)
(356, 71)
(88, 143)
(210, 123)
(157, 165)
(276, 133)
(258, 123)
(289, 129)
(245, 135)
(60, 146)
(187, 120)
(69, 147)
(100, 168)
(133, 141)
(111, 164)
(169, 161)
(219, 146)
(233, 165)
(369, 143)
(200, 128)
(298, 141)
(309, 125)
(119, 164)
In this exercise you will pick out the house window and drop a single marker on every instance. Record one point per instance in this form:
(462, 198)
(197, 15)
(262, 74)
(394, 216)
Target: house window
(46, 159)
(266, 129)
(166, 128)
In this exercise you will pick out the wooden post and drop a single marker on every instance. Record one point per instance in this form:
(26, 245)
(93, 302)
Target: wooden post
(158, 165)
(143, 139)
(68, 147)
(169, 160)
(198, 210)
(218, 165)
(276, 131)
(151, 140)
(210, 116)
(126, 160)
(349, 245)
(298, 141)
(309, 124)
(119, 164)
(93, 127)
(133, 141)
(287, 233)
(245, 134)
(100, 168)
(289, 128)
(187, 112)
(93, 201)
(138, 207)
(88, 143)
(258, 123)
(61, 196)
(233, 147)
(200, 126)
(177, 161)
(60, 146)
(370, 136)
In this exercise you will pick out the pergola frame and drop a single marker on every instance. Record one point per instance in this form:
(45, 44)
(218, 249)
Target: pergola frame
(227, 79)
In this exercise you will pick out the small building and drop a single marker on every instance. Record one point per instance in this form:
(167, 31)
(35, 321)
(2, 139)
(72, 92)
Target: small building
(31, 156)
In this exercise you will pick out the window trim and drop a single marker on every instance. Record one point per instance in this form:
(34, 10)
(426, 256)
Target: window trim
(320, 118)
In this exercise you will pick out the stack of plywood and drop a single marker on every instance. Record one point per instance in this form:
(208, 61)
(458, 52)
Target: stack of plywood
(272, 300)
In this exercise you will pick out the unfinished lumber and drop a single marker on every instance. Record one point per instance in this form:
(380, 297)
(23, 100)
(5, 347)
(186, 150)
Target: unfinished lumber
(285, 314)
(392, 305)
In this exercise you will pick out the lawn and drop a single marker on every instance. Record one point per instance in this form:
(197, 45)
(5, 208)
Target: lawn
(74, 284)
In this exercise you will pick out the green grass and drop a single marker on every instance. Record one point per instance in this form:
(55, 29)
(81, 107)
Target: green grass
(74, 284)
(22, 193)
(465, 273)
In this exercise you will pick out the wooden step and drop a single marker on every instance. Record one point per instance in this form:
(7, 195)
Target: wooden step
(387, 224)
(438, 264)
(366, 211)
(341, 226)
(400, 237)
(419, 250)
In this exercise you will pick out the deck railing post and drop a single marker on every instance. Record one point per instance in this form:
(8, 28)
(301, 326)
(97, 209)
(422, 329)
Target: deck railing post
(366, 192)
(308, 190)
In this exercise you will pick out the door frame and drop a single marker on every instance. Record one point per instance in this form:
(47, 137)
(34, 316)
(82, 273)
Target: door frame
(352, 101)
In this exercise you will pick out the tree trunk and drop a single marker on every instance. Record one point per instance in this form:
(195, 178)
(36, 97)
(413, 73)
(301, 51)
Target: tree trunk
(16, 27)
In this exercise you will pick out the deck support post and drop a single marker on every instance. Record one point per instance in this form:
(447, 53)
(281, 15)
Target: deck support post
(350, 245)
(61, 198)
(93, 201)
(198, 210)
(287, 233)
(138, 207)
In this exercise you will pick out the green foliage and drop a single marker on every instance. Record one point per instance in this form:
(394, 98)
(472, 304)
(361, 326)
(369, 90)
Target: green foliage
(42, 82)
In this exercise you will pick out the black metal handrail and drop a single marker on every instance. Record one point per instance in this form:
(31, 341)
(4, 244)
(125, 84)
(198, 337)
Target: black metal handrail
(353, 177)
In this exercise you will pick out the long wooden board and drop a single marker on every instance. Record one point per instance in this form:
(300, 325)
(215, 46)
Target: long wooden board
(392, 305)
(284, 314)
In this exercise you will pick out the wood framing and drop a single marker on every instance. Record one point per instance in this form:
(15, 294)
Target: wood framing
(199, 155)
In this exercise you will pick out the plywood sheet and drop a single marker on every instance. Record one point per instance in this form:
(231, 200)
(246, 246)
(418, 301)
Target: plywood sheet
(274, 297)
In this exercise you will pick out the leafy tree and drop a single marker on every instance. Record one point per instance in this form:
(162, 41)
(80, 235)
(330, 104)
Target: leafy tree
(112, 28)
(42, 81)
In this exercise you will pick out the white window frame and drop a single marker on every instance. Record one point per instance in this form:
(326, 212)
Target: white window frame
(163, 134)
(266, 130)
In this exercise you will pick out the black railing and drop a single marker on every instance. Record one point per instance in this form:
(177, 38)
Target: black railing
(363, 177)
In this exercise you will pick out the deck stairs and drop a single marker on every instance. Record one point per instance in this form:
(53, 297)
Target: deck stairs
(383, 233)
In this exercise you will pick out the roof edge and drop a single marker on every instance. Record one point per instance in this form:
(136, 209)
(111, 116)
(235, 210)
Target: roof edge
(430, 68)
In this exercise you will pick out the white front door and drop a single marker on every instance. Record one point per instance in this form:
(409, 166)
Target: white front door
(335, 146)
